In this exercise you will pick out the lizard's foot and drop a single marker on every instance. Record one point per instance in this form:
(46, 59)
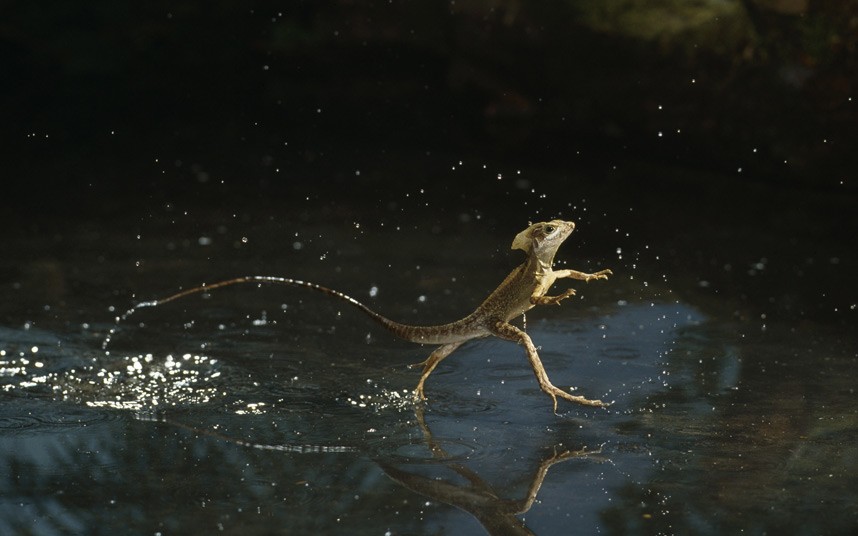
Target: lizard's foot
(554, 392)
(418, 395)
(601, 274)
(568, 293)
(555, 300)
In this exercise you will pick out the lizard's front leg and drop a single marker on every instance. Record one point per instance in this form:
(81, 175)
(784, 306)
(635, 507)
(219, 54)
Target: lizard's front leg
(582, 276)
(553, 300)
(507, 331)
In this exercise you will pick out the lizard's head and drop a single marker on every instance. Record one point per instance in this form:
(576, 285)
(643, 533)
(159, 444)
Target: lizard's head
(543, 238)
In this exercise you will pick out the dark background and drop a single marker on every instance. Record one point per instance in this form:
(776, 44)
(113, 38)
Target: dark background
(721, 132)
(120, 101)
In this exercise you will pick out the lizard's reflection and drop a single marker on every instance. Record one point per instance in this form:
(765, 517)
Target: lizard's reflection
(475, 496)
(478, 498)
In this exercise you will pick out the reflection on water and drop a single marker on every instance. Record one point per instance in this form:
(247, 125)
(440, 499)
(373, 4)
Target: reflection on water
(156, 437)
(467, 490)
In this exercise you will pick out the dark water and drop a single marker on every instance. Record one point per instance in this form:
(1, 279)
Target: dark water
(730, 367)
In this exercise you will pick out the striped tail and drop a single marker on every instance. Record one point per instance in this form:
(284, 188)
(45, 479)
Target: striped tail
(421, 334)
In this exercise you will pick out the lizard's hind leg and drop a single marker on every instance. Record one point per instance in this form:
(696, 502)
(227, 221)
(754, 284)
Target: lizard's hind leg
(507, 331)
(429, 365)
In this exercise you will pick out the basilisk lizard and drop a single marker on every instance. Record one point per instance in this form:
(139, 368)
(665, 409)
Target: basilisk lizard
(525, 287)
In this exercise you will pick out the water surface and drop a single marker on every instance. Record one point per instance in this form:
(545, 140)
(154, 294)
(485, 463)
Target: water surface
(260, 410)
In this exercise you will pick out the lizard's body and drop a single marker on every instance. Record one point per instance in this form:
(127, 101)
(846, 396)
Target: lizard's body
(525, 287)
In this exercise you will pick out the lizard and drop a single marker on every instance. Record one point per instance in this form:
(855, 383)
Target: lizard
(524, 288)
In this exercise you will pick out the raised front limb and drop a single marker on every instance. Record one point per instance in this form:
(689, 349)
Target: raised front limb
(575, 274)
(429, 365)
(538, 297)
(507, 331)
(551, 300)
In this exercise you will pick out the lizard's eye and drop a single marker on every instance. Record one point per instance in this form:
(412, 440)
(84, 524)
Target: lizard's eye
(549, 229)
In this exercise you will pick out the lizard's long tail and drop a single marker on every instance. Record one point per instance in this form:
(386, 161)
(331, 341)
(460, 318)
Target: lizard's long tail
(410, 333)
